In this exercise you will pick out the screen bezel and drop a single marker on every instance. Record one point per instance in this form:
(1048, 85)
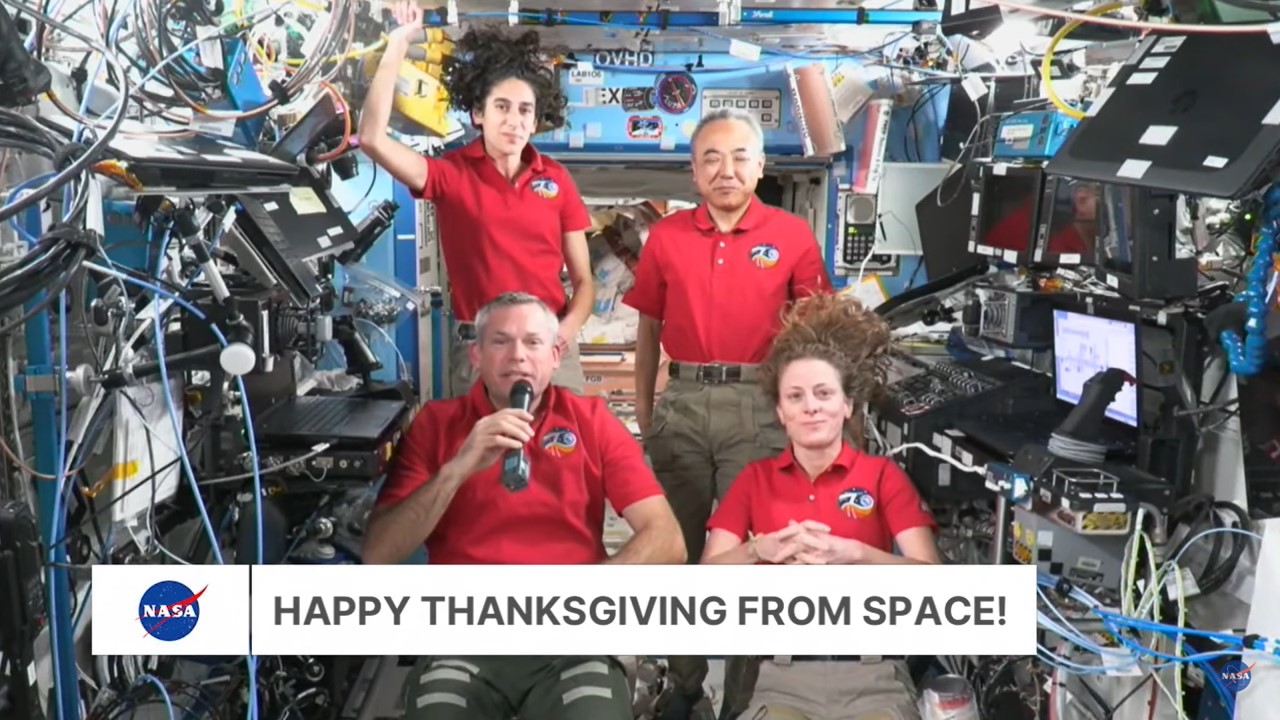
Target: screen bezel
(1041, 257)
(990, 174)
(1135, 204)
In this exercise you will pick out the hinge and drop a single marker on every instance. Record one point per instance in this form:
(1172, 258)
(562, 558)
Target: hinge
(730, 12)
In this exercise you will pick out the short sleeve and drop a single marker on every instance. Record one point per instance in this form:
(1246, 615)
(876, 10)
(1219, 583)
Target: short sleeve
(733, 513)
(415, 463)
(1013, 232)
(441, 174)
(648, 294)
(627, 477)
(810, 275)
(573, 211)
(902, 505)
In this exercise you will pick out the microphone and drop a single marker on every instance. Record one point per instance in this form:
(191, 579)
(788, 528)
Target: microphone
(515, 466)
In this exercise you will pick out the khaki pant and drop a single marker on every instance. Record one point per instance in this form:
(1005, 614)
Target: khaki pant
(699, 441)
(523, 688)
(844, 690)
(462, 375)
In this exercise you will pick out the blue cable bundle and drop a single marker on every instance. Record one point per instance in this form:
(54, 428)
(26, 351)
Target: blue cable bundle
(1246, 357)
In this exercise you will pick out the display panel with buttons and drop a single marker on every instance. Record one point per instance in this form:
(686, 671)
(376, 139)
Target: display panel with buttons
(766, 105)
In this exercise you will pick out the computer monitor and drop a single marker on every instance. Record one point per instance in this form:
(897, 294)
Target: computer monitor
(1137, 251)
(1005, 215)
(1083, 346)
(1120, 218)
(1067, 232)
(322, 117)
(944, 227)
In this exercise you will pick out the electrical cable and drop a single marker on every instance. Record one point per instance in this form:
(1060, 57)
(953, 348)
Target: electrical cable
(1046, 63)
(86, 158)
(250, 436)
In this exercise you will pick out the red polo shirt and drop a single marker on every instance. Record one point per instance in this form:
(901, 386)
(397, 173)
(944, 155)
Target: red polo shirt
(580, 457)
(1012, 232)
(862, 497)
(720, 296)
(501, 236)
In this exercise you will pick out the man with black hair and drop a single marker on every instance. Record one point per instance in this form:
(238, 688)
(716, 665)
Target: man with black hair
(509, 218)
(711, 287)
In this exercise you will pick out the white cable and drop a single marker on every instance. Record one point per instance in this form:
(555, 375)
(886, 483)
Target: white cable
(977, 469)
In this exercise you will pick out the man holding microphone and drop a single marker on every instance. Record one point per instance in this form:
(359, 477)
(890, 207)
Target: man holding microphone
(447, 490)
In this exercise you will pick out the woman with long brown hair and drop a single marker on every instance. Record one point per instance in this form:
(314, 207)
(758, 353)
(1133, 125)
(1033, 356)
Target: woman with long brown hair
(825, 500)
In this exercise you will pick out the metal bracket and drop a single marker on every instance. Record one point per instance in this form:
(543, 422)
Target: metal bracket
(730, 12)
(39, 380)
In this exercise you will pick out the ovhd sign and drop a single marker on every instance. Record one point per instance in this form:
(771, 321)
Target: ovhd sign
(624, 58)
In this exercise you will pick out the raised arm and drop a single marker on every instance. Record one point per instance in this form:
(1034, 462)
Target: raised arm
(401, 161)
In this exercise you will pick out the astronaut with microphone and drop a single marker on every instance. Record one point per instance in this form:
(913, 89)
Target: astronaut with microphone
(518, 471)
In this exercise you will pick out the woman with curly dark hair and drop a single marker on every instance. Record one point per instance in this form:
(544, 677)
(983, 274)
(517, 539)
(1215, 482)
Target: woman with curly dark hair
(825, 501)
(509, 218)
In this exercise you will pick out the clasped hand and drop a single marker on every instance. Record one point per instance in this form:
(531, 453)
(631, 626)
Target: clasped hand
(807, 543)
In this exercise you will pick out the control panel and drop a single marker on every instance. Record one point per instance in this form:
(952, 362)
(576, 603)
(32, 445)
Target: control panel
(939, 385)
(766, 105)
(857, 235)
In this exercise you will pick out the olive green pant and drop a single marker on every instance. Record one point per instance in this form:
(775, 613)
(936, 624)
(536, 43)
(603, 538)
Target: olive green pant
(462, 375)
(833, 690)
(701, 438)
(518, 688)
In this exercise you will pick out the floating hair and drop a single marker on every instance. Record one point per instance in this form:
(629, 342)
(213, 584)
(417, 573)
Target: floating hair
(485, 56)
(839, 330)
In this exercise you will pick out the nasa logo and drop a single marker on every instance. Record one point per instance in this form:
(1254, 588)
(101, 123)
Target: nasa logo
(560, 442)
(764, 256)
(1236, 676)
(169, 610)
(856, 502)
(545, 188)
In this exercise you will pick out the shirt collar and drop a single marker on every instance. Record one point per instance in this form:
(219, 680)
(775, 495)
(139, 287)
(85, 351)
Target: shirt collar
(786, 461)
(474, 150)
(482, 405)
(749, 220)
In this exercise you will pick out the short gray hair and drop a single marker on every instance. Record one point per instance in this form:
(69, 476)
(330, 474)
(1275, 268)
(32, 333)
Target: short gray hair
(514, 299)
(731, 114)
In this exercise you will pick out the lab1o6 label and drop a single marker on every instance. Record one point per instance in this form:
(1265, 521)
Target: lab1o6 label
(586, 76)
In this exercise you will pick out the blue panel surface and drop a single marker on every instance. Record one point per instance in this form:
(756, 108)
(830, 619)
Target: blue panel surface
(650, 128)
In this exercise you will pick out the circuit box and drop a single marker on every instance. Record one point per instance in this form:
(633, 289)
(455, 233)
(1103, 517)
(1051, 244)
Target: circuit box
(1032, 135)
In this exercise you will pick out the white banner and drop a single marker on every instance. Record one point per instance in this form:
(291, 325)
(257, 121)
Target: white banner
(170, 610)
(644, 610)
(655, 610)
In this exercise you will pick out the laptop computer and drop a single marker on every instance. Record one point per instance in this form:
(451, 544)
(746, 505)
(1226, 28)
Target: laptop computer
(187, 163)
(1185, 113)
(340, 421)
(290, 231)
